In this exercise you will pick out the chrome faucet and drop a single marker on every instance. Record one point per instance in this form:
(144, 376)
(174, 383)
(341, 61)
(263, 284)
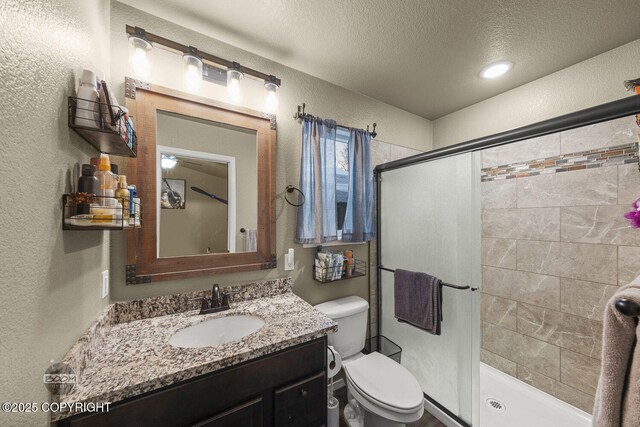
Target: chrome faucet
(219, 301)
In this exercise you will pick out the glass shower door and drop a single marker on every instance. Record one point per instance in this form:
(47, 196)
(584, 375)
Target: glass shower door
(430, 222)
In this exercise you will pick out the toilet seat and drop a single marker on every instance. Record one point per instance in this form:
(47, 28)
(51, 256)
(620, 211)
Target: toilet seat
(385, 387)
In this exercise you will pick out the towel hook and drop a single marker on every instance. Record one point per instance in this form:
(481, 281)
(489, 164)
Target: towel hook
(627, 307)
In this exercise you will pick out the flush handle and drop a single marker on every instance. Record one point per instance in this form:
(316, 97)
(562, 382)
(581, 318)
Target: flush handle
(303, 392)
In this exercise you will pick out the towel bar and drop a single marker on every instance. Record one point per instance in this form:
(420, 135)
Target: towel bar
(628, 307)
(449, 285)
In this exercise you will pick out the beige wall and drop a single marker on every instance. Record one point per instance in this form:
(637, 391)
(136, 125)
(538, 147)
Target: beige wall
(201, 135)
(588, 83)
(322, 98)
(555, 247)
(49, 286)
(202, 223)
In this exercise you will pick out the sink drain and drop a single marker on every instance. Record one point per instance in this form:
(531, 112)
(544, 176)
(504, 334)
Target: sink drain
(496, 405)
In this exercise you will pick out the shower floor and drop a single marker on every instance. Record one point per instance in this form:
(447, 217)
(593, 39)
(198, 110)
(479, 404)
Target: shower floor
(427, 419)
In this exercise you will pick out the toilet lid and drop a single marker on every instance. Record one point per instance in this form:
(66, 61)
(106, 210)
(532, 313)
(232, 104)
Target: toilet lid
(383, 380)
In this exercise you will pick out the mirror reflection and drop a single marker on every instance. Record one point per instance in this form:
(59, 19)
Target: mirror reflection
(207, 187)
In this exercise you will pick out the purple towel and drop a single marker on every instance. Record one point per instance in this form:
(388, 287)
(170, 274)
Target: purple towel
(418, 300)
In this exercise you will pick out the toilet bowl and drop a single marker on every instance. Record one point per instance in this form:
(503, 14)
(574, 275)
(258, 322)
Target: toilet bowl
(384, 389)
(387, 391)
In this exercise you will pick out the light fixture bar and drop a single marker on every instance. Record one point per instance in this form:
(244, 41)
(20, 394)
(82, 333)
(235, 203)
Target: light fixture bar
(212, 59)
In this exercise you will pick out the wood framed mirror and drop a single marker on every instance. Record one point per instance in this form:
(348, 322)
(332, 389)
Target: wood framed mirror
(205, 176)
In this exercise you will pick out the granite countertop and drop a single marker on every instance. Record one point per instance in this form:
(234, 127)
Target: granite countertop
(126, 352)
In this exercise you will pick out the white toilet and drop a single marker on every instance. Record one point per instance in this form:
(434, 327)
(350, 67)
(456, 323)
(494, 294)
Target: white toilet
(386, 390)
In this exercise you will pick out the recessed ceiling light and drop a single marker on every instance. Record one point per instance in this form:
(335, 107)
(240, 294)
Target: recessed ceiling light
(496, 69)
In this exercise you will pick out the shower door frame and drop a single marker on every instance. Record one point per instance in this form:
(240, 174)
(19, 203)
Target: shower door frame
(600, 113)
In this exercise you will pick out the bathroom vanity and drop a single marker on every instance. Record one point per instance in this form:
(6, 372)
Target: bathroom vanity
(275, 376)
(283, 389)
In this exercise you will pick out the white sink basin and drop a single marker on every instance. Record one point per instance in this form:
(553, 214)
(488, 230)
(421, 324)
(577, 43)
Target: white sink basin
(216, 331)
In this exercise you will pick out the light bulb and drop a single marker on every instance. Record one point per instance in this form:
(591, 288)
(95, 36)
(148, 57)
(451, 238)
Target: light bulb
(496, 69)
(192, 72)
(271, 100)
(168, 162)
(139, 61)
(233, 85)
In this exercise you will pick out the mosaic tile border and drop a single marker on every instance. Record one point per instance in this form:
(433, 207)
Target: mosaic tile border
(609, 156)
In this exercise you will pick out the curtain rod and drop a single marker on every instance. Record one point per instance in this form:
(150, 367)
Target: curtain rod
(300, 115)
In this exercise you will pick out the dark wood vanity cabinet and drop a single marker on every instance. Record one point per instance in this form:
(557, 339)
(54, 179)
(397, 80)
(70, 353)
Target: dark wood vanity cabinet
(287, 388)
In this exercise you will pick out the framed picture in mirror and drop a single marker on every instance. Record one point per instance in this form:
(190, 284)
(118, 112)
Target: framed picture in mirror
(172, 193)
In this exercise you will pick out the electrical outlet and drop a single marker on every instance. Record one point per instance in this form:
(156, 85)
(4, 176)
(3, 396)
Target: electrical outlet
(104, 284)
(289, 261)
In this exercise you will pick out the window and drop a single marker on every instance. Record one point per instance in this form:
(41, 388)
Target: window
(342, 176)
(339, 202)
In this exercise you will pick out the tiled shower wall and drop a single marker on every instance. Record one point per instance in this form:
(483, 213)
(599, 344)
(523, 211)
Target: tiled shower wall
(555, 247)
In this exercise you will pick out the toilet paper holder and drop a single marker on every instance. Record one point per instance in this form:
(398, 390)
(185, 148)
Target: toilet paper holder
(332, 364)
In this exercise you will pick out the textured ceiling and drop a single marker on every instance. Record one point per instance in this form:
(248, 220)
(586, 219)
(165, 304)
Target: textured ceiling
(423, 56)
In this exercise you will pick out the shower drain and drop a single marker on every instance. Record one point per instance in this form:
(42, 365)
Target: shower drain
(496, 405)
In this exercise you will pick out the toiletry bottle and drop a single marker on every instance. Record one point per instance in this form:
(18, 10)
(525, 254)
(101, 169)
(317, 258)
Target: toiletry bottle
(122, 194)
(124, 126)
(130, 127)
(87, 107)
(136, 209)
(114, 175)
(88, 182)
(106, 182)
(349, 262)
(95, 161)
(132, 190)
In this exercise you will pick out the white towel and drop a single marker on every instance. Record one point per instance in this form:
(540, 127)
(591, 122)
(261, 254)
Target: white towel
(250, 240)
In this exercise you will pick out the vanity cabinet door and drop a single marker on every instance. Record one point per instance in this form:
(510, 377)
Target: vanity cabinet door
(302, 403)
(246, 415)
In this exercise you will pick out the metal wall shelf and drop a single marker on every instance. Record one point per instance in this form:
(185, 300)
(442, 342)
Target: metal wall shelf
(72, 212)
(116, 138)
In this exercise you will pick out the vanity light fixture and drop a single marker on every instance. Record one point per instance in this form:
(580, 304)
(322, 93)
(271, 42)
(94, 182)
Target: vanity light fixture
(139, 46)
(168, 162)
(142, 42)
(496, 69)
(234, 75)
(192, 69)
(271, 100)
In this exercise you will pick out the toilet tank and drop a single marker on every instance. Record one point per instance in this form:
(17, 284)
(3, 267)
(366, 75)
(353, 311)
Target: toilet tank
(350, 313)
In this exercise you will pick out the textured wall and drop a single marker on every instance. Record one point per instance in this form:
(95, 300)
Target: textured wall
(202, 223)
(49, 279)
(322, 98)
(588, 83)
(555, 247)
